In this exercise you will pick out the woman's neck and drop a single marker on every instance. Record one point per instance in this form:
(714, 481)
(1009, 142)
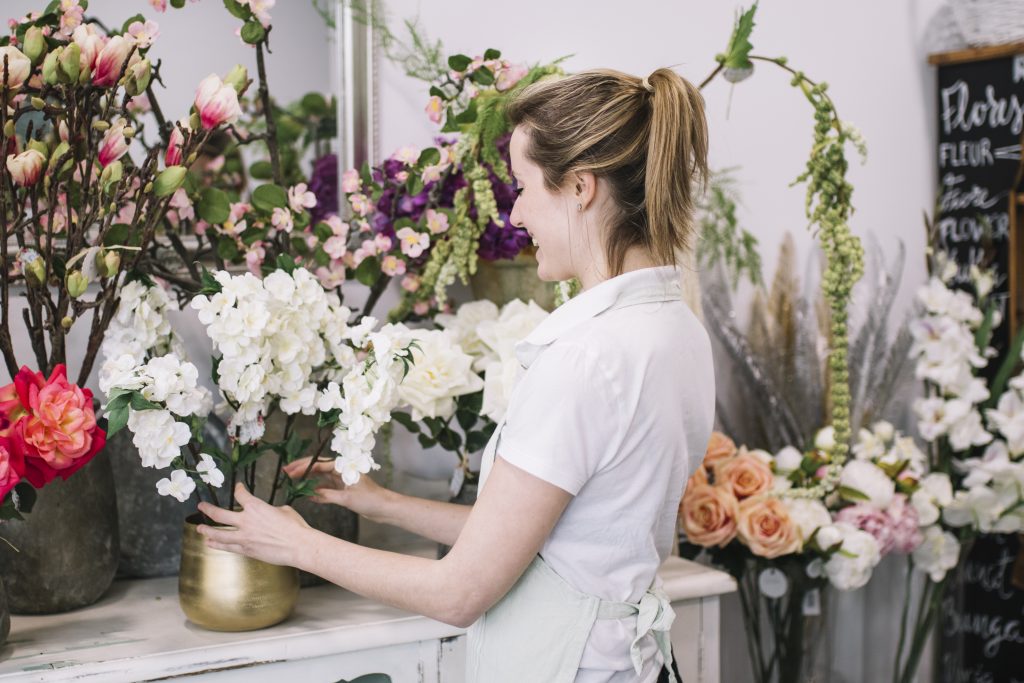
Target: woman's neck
(636, 258)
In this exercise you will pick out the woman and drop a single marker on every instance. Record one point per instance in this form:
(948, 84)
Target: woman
(554, 565)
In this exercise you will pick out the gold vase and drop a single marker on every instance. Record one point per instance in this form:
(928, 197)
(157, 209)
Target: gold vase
(223, 591)
(505, 280)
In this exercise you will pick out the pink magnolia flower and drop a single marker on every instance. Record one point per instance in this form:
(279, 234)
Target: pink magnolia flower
(350, 181)
(282, 219)
(260, 9)
(26, 168)
(113, 146)
(392, 265)
(300, 198)
(216, 102)
(90, 43)
(144, 33)
(872, 520)
(437, 221)
(183, 205)
(58, 433)
(176, 144)
(410, 283)
(434, 109)
(71, 16)
(413, 243)
(111, 60)
(140, 104)
(19, 67)
(360, 204)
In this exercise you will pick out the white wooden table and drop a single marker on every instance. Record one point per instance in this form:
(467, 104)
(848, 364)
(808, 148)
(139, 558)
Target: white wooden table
(138, 633)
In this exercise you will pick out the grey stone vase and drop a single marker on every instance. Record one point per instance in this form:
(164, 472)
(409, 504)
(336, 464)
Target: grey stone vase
(68, 545)
(5, 615)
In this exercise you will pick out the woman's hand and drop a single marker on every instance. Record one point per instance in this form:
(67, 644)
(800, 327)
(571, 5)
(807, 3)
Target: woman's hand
(261, 531)
(365, 497)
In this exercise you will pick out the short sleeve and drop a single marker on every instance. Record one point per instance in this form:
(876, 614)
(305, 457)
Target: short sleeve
(561, 425)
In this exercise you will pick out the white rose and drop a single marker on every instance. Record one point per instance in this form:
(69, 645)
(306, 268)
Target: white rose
(870, 480)
(499, 380)
(441, 371)
(516, 321)
(464, 325)
(938, 553)
(809, 515)
(850, 567)
(788, 460)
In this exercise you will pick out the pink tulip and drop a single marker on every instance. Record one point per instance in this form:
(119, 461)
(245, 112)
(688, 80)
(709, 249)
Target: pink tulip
(113, 146)
(175, 144)
(26, 168)
(111, 59)
(18, 67)
(216, 102)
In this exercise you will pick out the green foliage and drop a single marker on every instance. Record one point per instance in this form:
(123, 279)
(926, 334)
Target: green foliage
(737, 54)
(722, 240)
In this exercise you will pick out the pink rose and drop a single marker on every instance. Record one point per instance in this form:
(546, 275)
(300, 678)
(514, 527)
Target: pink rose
(872, 520)
(719, 448)
(766, 528)
(58, 434)
(746, 475)
(709, 514)
(12, 467)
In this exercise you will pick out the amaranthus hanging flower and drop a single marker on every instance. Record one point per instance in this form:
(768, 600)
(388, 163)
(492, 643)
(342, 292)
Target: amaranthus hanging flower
(114, 145)
(26, 168)
(216, 102)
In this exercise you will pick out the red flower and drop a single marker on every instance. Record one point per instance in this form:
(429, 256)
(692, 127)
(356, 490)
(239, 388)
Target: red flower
(12, 467)
(52, 425)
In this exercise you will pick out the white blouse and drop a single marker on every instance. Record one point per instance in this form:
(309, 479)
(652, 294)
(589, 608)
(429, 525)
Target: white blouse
(615, 406)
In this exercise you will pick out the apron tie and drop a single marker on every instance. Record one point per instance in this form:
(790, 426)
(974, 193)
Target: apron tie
(654, 616)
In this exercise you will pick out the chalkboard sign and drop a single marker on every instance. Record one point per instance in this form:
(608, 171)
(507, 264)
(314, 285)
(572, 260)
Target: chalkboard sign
(981, 121)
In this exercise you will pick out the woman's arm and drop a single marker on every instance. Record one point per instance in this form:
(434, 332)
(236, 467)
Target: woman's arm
(439, 521)
(504, 532)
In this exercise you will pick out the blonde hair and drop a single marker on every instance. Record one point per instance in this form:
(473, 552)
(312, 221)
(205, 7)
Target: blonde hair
(647, 138)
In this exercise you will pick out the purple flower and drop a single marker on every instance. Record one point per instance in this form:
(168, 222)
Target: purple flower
(324, 184)
(502, 243)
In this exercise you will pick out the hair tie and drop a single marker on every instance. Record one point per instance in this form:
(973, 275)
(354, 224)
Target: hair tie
(646, 84)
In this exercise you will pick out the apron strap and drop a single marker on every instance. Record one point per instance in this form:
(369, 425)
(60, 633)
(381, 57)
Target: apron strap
(654, 615)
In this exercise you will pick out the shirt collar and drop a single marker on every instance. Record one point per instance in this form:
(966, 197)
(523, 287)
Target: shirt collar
(646, 285)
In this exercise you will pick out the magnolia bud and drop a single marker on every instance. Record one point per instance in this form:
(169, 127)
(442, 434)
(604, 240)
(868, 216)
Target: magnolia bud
(38, 103)
(191, 158)
(50, 66)
(194, 122)
(112, 174)
(35, 44)
(237, 78)
(66, 322)
(128, 132)
(100, 125)
(148, 187)
(111, 263)
(76, 283)
(58, 152)
(70, 62)
(35, 271)
(9, 128)
(39, 146)
(169, 180)
(136, 78)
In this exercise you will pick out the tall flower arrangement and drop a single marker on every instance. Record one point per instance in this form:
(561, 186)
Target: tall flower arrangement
(82, 198)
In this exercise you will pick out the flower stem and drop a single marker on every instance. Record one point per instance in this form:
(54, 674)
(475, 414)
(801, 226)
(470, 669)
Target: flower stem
(268, 114)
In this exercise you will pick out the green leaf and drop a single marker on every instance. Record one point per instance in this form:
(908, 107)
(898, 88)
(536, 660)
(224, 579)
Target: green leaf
(117, 234)
(476, 441)
(116, 420)
(209, 282)
(328, 418)
(314, 104)
(406, 421)
(214, 206)
(26, 497)
(321, 257)
(370, 678)
(368, 271)
(471, 402)
(365, 175)
(983, 335)
(286, 263)
(299, 245)
(450, 440)
(483, 76)
(253, 32)
(130, 20)
(177, 4)
(426, 441)
(250, 454)
(467, 116)
(491, 53)
(1006, 368)
(466, 419)
(227, 249)
(300, 489)
(323, 231)
(139, 402)
(237, 9)
(268, 197)
(434, 424)
(59, 269)
(853, 494)
(459, 62)
(261, 170)
(437, 92)
(431, 156)
(737, 55)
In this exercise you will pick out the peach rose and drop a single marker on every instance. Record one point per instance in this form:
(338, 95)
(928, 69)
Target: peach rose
(720, 447)
(746, 475)
(709, 515)
(764, 525)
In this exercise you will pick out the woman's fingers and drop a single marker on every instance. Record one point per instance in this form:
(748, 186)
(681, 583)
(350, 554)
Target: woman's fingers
(298, 468)
(219, 515)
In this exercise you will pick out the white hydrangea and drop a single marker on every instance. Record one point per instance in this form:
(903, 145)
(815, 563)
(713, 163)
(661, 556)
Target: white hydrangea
(157, 436)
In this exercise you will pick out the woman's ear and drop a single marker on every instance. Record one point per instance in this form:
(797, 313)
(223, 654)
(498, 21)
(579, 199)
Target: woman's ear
(584, 186)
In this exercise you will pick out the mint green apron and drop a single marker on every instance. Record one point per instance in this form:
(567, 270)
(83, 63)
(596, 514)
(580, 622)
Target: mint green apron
(538, 631)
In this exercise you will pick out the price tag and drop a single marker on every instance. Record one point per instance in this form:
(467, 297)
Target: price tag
(458, 476)
(812, 603)
(815, 569)
(773, 583)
